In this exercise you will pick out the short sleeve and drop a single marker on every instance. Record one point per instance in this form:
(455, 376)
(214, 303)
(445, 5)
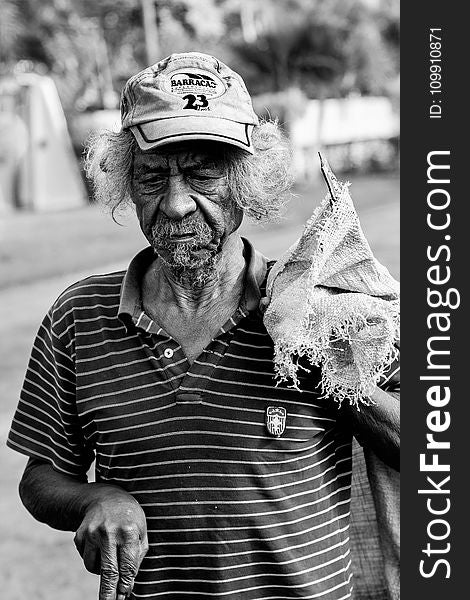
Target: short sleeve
(46, 423)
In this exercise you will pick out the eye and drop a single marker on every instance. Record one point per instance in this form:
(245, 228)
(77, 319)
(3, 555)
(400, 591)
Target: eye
(150, 173)
(205, 175)
(201, 177)
(151, 181)
(148, 184)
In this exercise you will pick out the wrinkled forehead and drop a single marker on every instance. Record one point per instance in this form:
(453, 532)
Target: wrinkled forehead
(185, 155)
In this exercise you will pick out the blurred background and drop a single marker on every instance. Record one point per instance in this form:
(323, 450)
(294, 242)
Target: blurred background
(328, 70)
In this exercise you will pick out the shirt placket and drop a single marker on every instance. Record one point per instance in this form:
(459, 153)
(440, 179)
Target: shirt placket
(198, 376)
(162, 347)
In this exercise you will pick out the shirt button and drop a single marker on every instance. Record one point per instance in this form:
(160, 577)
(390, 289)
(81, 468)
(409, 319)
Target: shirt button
(168, 353)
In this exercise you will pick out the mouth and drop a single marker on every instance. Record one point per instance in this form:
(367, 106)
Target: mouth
(182, 237)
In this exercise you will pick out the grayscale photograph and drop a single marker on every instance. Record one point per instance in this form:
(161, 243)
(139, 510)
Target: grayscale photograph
(199, 282)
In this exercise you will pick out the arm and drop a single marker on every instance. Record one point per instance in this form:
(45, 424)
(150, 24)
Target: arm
(377, 426)
(111, 532)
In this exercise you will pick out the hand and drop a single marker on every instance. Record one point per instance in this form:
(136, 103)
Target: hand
(112, 540)
(263, 305)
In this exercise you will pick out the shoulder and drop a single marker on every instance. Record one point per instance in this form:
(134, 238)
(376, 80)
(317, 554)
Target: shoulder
(95, 288)
(87, 298)
(94, 285)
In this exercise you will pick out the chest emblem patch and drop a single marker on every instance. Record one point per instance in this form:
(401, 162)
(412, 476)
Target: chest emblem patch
(276, 420)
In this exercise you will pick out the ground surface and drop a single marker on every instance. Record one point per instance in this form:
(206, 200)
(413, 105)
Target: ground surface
(40, 255)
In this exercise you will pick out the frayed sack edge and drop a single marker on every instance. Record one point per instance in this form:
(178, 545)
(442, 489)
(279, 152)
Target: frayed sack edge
(319, 353)
(286, 366)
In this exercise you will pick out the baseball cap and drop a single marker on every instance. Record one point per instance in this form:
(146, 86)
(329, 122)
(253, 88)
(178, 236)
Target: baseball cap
(189, 96)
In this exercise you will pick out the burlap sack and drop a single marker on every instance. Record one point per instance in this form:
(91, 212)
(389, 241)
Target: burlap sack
(331, 301)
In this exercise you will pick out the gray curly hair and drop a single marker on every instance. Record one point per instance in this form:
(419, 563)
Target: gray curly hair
(259, 184)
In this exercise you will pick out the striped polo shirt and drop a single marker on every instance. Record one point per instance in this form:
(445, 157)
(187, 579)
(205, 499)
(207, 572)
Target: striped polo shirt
(233, 510)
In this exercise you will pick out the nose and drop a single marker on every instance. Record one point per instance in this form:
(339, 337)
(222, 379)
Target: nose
(177, 201)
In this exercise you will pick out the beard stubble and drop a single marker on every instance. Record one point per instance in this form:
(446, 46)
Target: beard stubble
(191, 262)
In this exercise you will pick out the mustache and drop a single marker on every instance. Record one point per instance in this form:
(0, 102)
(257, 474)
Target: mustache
(165, 227)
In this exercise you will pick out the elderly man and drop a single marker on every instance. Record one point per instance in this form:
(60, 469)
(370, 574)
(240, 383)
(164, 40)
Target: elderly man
(211, 481)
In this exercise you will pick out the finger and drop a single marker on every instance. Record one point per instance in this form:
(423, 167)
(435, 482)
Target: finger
(109, 572)
(78, 540)
(91, 557)
(144, 547)
(131, 554)
(129, 563)
(125, 596)
(143, 543)
(88, 551)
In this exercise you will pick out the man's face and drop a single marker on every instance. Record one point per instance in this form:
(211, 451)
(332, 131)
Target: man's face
(183, 205)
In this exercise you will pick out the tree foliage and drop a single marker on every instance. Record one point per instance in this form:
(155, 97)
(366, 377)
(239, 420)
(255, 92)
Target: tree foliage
(342, 45)
(331, 47)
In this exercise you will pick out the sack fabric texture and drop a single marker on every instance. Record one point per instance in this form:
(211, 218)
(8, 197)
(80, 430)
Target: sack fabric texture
(331, 301)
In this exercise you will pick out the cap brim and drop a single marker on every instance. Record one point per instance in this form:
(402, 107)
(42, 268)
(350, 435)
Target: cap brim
(184, 129)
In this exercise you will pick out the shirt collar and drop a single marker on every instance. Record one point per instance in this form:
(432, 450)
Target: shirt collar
(131, 308)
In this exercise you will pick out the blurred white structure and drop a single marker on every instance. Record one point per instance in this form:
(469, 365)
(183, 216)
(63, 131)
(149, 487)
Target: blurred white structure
(337, 122)
(84, 124)
(38, 169)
